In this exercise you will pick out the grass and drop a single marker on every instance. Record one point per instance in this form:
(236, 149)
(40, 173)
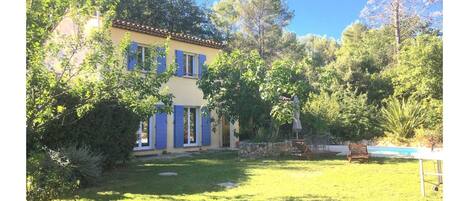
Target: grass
(276, 179)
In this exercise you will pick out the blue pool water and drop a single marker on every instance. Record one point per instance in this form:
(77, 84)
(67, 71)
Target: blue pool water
(406, 151)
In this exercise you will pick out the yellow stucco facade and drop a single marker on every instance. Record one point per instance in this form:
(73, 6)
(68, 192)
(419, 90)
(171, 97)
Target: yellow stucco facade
(184, 89)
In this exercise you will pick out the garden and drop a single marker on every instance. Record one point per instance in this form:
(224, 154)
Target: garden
(374, 83)
(199, 176)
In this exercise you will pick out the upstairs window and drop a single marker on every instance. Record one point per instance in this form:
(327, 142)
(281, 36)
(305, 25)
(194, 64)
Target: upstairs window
(190, 65)
(142, 55)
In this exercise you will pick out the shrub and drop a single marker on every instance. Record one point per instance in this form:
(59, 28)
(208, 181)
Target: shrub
(108, 129)
(49, 176)
(343, 113)
(86, 165)
(357, 118)
(402, 117)
(429, 137)
(434, 113)
(321, 112)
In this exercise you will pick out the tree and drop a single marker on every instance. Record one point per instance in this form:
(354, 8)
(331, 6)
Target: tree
(182, 16)
(43, 86)
(419, 75)
(86, 66)
(362, 56)
(406, 17)
(239, 86)
(284, 80)
(231, 86)
(353, 62)
(291, 47)
(257, 24)
(321, 50)
(353, 34)
(224, 15)
(72, 80)
(420, 71)
(42, 18)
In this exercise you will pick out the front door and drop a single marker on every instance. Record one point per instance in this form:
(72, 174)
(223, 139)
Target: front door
(225, 132)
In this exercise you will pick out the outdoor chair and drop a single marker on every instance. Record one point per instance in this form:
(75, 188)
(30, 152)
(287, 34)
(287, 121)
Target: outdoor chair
(301, 149)
(358, 152)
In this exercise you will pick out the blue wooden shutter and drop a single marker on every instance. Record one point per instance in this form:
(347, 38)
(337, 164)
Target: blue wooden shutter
(206, 128)
(178, 126)
(202, 59)
(180, 63)
(161, 60)
(132, 56)
(161, 129)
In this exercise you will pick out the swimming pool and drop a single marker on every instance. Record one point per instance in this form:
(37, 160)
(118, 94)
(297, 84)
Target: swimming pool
(381, 151)
(399, 151)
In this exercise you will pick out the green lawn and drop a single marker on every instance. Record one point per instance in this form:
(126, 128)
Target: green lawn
(320, 179)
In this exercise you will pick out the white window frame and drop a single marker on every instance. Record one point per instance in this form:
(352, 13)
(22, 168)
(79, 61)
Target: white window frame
(144, 47)
(150, 135)
(197, 126)
(195, 70)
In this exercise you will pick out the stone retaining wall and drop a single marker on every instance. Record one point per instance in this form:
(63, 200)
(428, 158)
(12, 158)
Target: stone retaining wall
(265, 149)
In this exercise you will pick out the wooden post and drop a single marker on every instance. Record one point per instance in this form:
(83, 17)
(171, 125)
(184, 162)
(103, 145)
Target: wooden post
(422, 179)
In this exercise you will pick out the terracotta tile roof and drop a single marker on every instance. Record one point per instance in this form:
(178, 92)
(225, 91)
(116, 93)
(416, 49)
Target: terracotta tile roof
(165, 33)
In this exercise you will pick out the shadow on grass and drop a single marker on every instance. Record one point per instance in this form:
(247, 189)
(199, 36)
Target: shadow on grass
(198, 174)
(308, 197)
(201, 174)
(294, 163)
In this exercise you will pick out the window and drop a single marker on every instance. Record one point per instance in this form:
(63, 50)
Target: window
(143, 135)
(142, 54)
(190, 65)
(191, 121)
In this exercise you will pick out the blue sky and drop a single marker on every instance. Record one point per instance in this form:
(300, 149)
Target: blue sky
(323, 17)
(320, 17)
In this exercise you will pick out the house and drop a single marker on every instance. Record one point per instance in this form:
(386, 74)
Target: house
(186, 128)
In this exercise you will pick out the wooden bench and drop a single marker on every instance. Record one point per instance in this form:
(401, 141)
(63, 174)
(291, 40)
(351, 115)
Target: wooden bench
(358, 152)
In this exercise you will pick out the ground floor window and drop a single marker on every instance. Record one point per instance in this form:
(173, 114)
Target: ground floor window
(143, 135)
(191, 122)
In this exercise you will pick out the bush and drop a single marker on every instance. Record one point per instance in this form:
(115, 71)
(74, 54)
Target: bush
(108, 129)
(344, 114)
(86, 165)
(434, 113)
(53, 174)
(49, 176)
(402, 118)
(357, 118)
(429, 137)
(321, 113)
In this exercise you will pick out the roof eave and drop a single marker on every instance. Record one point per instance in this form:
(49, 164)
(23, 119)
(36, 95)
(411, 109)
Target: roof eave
(164, 33)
